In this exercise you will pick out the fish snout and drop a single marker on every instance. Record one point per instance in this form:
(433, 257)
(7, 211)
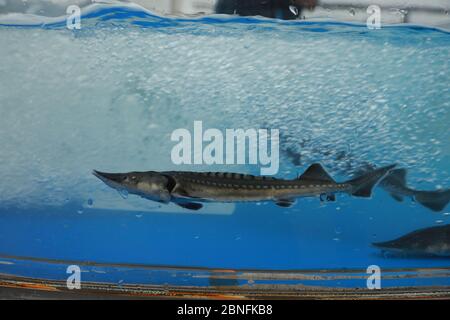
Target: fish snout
(109, 177)
(385, 245)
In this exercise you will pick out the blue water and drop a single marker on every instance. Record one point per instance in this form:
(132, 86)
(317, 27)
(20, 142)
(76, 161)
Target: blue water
(109, 95)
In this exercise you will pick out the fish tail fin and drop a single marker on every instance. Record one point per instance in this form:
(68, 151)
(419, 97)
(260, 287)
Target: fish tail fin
(433, 200)
(362, 186)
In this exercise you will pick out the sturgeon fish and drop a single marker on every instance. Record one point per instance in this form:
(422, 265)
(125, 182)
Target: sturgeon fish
(395, 184)
(190, 189)
(429, 241)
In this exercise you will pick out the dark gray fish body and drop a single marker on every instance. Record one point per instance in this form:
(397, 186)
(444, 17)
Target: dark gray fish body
(430, 241)
(188, 188)
(219, 186)
(395, 184)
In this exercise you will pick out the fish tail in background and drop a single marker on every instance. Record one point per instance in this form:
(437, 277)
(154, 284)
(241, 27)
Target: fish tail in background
(433, 200)
(395, 184)
(362, 186)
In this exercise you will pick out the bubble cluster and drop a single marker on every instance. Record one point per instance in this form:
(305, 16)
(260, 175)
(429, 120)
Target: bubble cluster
(108, 97)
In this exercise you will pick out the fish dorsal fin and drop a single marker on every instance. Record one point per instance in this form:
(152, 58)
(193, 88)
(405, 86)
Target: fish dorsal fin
(399, 175)
(316, 172)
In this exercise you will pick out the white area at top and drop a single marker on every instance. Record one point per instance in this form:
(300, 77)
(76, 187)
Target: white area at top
(431, 12)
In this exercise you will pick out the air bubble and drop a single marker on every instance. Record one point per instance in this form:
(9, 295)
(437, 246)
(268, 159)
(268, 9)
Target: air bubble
(294, 10)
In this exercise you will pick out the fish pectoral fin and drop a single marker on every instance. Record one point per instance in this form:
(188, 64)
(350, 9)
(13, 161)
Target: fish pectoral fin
(397, 197)
(190, 205)
(285, 203)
